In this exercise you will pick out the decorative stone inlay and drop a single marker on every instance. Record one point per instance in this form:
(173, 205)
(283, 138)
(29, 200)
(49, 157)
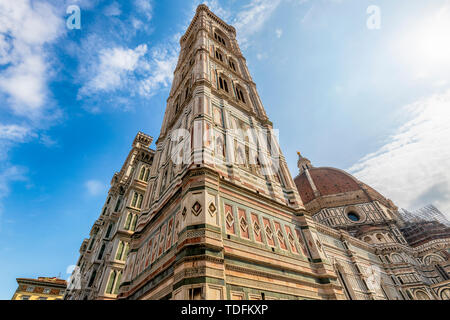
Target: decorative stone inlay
(280, 235)
(230, 219)
(212, 209)
(196, 208)
(183, 213)
(256, 228)
(244, 224)
(269, 232)
(291, 239)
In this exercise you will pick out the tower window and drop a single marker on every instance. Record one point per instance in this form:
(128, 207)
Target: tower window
(223, 84)
(232, 65)
(240, 95)
(353, 216)
(219, 38)
(219, 55)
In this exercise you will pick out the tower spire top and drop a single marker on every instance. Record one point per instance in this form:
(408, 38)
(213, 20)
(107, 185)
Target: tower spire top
(303, 163)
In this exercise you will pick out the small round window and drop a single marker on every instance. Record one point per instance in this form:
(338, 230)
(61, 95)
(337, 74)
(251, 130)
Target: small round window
(353, 216)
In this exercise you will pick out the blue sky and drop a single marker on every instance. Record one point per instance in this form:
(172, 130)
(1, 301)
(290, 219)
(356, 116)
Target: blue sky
(374, 102)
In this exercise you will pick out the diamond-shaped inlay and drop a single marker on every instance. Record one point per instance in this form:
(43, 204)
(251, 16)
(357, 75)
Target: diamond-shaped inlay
(212, 209)
(196, 208)
(291, 239)
(183, 213)
(280, 236)
(269, 232)
(243, 224)
(230, 219)
(256, 228)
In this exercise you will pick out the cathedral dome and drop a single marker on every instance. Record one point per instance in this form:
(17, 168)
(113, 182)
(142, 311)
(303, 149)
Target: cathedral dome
(327, 187)
(324, 182)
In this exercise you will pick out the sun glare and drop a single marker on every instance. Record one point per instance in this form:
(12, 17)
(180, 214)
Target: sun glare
(425, 45)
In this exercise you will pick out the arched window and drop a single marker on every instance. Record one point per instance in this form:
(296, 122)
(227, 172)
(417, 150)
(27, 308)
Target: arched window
(102, 249)
(133, 225)
(219, 38)
(147, 172)
(112, 279)
(380, 237)
(223, 84)
(134, 201)
(117, 205)
(128, 221)
(219, 55)
(232, 64)
(91, 280)
(139, 203)
(108, 232)
(141, 175)
(117, 284)
(120, 250)
(239, 94)
(125, 253)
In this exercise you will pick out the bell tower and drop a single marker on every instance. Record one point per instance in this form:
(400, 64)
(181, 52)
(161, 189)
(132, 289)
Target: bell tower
(220, 199)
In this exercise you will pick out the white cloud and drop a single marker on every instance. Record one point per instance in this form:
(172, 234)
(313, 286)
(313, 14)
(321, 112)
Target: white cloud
(113, 69)
(25, 29)
(253, 17)
(161, 68)
(14, 132)
(145, 7)
(113, 9)
(413, 167)
(94, 187)
(279, 33)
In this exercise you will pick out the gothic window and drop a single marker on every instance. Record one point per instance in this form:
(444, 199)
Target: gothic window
(120, 250)
(134, 201)
(239, 94)
(117, 205)
(141, 198)
(128, 221)
(91, 280)
(108, 232)
(119, 278)
(231, 63)
(133, 225)
(219, 55)
(219, 38)
(223, 84)
(137, 200)
(141, 175)
(100, 255)
(147, 173)
(112, 279)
